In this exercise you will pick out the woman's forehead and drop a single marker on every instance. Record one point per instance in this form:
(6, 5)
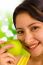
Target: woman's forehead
(24, 19)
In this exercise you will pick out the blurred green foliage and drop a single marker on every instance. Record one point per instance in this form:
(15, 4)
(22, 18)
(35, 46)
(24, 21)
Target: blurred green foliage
(7, 22)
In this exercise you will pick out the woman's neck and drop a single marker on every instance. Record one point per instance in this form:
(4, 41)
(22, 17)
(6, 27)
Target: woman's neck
(36, 60)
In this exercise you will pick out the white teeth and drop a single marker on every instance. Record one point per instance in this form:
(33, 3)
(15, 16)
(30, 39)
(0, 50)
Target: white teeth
(33, 46)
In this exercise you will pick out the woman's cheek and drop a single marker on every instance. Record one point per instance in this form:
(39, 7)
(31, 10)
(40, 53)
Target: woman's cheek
(39, 36)
(20, 37)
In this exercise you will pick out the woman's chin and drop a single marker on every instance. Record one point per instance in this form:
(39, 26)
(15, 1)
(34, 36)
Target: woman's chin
(37, 51)
(36, 54)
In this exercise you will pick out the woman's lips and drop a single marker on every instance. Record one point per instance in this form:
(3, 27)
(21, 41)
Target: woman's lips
(32, 47)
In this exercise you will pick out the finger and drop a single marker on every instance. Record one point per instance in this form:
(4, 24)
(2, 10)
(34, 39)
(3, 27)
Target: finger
(4, 55)
(8, 58)
(7, 61)
(5, 48)
(1, 42)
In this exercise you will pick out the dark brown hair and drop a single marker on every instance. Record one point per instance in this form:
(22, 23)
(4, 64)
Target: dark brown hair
(33, 7)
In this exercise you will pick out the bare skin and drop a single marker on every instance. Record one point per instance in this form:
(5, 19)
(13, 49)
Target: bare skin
(6, 58)
(30, 32)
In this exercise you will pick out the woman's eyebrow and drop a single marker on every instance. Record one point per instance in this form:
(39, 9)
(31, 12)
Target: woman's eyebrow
(19, 29)
(32, 24)
(27, 26)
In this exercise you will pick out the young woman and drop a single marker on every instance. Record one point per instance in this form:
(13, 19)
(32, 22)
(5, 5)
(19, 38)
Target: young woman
(28, 20)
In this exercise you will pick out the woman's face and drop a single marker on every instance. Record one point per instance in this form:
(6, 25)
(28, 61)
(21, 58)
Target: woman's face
(30, 32)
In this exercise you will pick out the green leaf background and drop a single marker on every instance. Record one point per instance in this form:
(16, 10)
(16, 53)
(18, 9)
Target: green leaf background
(7, 29)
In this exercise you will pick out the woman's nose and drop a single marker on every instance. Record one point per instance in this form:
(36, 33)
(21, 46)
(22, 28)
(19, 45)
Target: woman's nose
(29, 38)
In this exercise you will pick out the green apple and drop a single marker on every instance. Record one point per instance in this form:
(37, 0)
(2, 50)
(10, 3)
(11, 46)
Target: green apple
(16, 49)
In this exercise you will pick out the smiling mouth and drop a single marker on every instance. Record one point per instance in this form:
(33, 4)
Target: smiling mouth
(33, 46)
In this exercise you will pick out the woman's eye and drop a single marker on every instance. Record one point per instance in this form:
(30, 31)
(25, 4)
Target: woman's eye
(20, 32)
(34, 28)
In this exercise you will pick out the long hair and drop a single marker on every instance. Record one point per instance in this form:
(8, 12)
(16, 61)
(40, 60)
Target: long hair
(33, 7)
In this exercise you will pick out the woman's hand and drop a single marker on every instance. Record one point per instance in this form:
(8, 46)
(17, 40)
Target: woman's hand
(6, 58)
